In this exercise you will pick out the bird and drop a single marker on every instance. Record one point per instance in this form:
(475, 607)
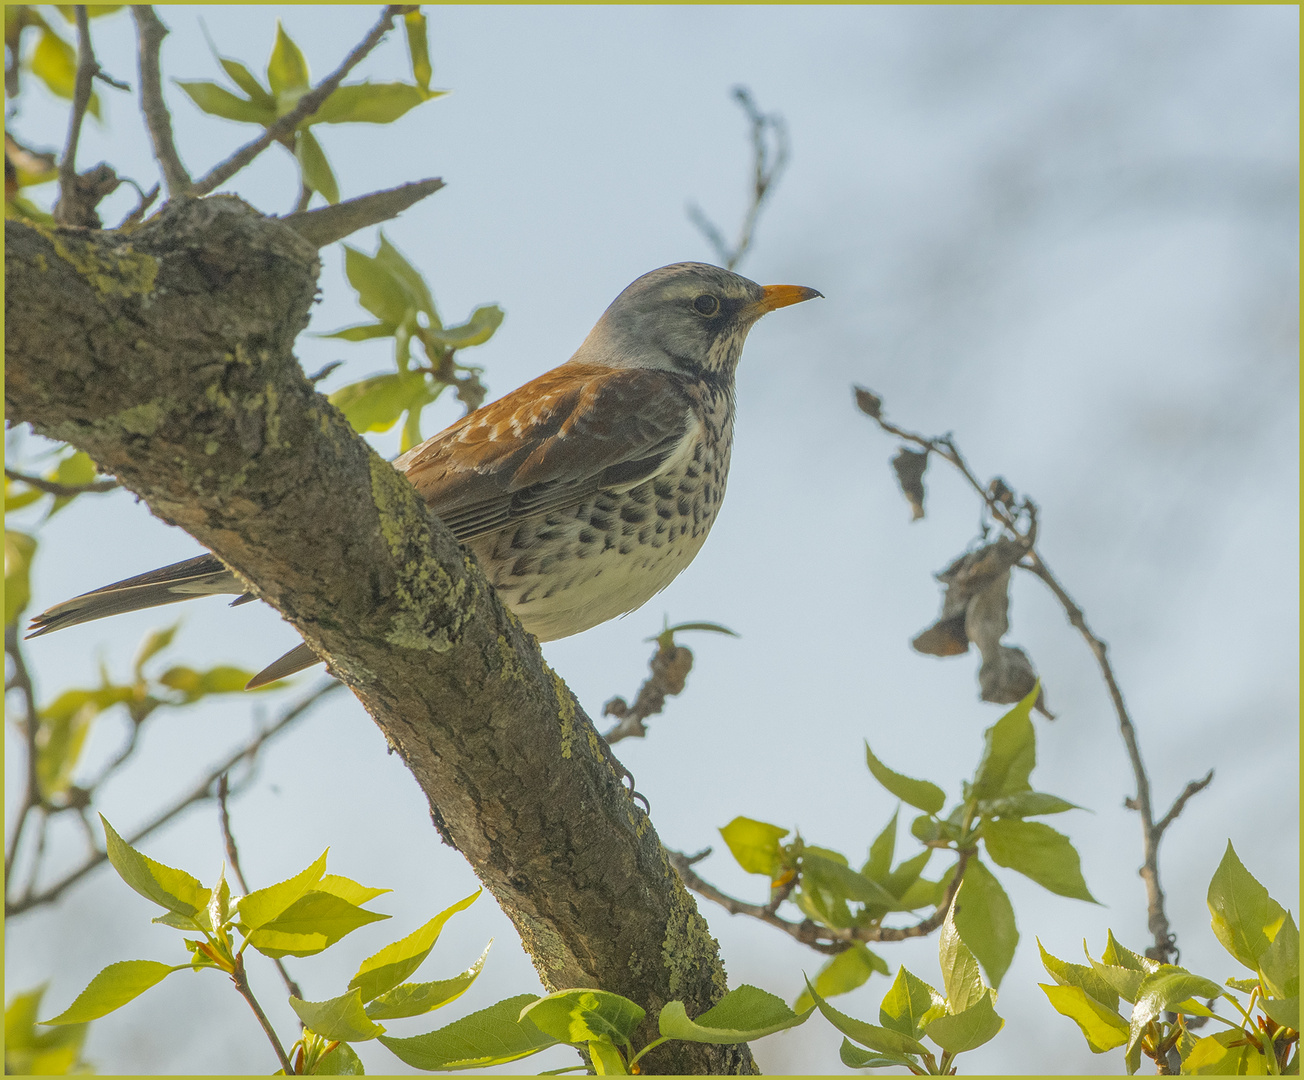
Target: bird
(584, 492)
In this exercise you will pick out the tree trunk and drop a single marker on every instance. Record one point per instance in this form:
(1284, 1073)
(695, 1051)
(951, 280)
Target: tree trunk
(166, 353)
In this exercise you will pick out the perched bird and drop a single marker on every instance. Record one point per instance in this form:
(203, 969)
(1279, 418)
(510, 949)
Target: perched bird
(584, 492)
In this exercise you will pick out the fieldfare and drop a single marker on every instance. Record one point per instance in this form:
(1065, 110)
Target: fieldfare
(583, 493)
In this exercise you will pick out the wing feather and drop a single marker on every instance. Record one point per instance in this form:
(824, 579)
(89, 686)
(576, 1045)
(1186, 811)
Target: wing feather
(550, 445)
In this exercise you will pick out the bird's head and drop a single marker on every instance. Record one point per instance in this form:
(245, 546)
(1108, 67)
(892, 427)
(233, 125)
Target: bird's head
(687, 317)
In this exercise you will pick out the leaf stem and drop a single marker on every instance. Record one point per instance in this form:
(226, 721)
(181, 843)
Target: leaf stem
(241, 981)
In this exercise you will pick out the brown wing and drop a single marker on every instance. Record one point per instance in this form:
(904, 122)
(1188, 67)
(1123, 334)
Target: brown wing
(551, 444)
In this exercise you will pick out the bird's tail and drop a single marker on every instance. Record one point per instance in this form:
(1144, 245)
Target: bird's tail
(296, 659)
(201, 576)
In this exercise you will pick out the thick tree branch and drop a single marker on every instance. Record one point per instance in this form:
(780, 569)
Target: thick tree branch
(327, 224)
(150, 33)
(167, 355)
(308, 104)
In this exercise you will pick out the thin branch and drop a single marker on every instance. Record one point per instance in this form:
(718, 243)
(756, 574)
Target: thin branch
(67, 209)
(1000, 502)
(1193, 788)
(138, 215)
(327, 224)
(233, 855)
(824, 939)
(308, 104)
(241, 981)
(766, 171)
(150, 33)
(670, 666)
(201, 791)
(22, 682)
(53, 487)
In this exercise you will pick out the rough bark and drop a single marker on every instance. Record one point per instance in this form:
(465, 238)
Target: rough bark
(166, 353)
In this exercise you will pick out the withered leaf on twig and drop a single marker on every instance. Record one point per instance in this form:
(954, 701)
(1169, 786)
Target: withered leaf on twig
(910, 465)
(869, 403)
(975, 608)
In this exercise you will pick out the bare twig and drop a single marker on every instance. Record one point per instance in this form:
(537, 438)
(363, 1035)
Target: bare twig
(205, 789)
(53, 487)
(308, 104)
(1000, 502)
(241, 981)
(138, 215)
(327, 224)
(22, 682)
(233, 856)
(670, 666)
(81, 98)
(767, 167)
(150, 33)
(824, 939)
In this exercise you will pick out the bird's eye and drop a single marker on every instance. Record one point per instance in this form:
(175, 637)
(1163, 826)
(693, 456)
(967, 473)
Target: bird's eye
(706, 305)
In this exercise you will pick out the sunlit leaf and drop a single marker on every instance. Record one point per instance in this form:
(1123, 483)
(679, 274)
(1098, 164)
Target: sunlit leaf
(920, 794)
(742, 1015)
(1102, 1027)
(414, 24)
(286, 67)
(261, 906)
(754, 844)
(478, 329)
(413, 999)
(491, 1036)
(1086, 979)
(219, 101)
(985, 920)
(1245, 918)
(960, 976)
(315, 168)
(19, 549)
(168, 887)
(339, 1018)
(910, 1004)
(394, 963)
(1039, 852)
(112, 988)
(1009, 752)
(370, 103)
(580, 1016)
(966, 1029)
(885, 1040)
(843, 973)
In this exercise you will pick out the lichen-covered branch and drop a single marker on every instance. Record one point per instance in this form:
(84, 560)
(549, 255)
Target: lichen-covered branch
(167, 355)
(326, 224)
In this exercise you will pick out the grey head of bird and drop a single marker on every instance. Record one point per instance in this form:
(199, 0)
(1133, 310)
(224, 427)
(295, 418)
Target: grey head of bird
(687, 317)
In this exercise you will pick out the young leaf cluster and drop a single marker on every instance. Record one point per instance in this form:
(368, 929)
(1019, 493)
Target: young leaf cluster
(395, 293)
(963, 1018)
(991, 817)
(287, 79)
(1261, 1038)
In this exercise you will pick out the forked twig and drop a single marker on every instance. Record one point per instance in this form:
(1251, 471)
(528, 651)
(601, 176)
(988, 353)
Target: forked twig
(150, 33)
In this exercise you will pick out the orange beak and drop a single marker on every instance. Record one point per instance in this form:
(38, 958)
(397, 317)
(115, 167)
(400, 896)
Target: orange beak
(777, 296)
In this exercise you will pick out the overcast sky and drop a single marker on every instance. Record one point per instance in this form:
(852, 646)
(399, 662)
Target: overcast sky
(1066, 235)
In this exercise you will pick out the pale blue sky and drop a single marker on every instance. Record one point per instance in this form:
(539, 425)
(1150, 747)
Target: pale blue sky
(1067, 235)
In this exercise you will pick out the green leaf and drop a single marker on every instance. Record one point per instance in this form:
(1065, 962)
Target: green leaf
(755, 845)
(1102, 1027)
(370, 103)
(49, 1052)
(245, 79)
(1245, 917)
(153, 644)
(413, 999)
(910, 1005)
(478, 329)
(169, 888)
(879, 864)
(843, 973)
(379, 291)
(315, 915)
(1283, 1010)
(339, 1061)
(606, 1059)
(985, 921)
(491, 1036)
(347, 889)
(19, 549)
(1212, 1056)
(855, 1058)
(742, 1015)
(1119, 956)
(967, 1029)
(364, 332)
(340, 1018)
(16, 496)
(1084, 978)
(223, 679)
(1039, 852)
(1167, 988)
(414, 24)
(960, 976)
(900, 882)
(112, 988)
(1279, 963)
(581, 1016)
(286, 67)
(1009, 752)
(408, 278)
(219, 101)
(920, 794)
(64, 726)
(261, 906)
(840, 881)
(375, 404)
(884, 1040)
(394, 963)
(314, 167)
(1024, 804)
